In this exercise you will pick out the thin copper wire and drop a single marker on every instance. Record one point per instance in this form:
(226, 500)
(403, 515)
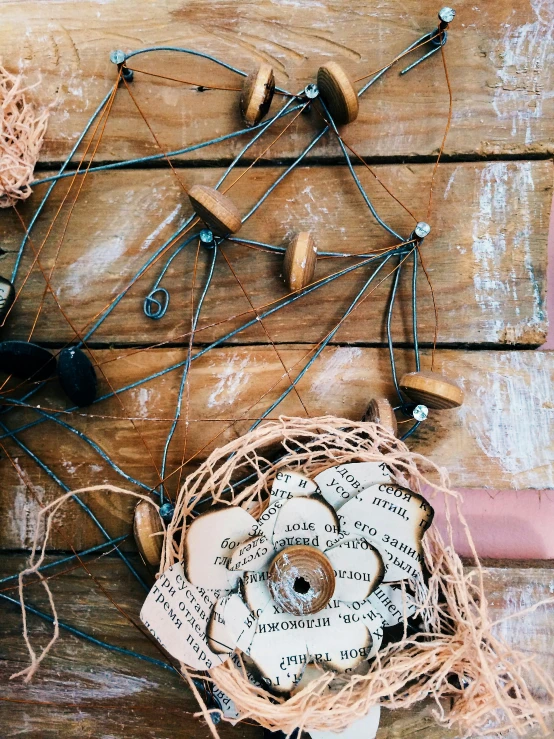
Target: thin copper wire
(237, 278)
(184, 82)
(396, 58)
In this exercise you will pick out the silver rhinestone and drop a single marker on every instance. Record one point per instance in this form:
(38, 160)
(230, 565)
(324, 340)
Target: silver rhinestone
(422, 230)
(206, 236)
(420, 412)
(447, 15)
(117, 57)
(311, 91)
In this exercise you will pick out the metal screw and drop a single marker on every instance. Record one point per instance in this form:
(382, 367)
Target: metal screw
(420, 412)
(311, 91)
(421, 230)
(447, 15)
(207, 238)
(117, 56)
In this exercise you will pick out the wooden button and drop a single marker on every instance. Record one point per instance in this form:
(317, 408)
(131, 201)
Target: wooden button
(300, 259)
(433, 390)
(301, 580)
(338, 93)
(7, 296)
(216, 210)
(147, 522)
(380, 411)
(257, 94)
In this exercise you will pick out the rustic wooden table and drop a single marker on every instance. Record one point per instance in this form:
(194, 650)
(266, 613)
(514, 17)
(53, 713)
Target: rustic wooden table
(486, 258)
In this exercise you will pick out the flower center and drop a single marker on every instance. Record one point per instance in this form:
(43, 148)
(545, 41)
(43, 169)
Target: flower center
(301, 580)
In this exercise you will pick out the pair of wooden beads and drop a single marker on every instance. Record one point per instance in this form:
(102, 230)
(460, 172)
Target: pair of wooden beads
(148, 533)
(300, 261)
(432, 389)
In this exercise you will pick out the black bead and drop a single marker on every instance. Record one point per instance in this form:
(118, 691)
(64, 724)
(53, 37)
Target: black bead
(7, 296)
(77, 376)
(166, 512)
(27, 361)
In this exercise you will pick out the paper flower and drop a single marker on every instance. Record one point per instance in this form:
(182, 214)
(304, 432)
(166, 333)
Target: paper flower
(312, 580)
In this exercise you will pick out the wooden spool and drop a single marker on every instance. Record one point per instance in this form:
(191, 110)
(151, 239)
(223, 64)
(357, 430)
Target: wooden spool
(338, 93)
(300, 259)
(147, 522)
(257, 94)
(380, 411)
(301, 580)
(216, 210)
(433, 390)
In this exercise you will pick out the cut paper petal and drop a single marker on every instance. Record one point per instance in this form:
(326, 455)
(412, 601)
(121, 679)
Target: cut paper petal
(219, 639)
(176, 613)
(394, 520)
(278, 648)
(339, 484)
(311, 673)
(253, 554)
(289, 484)
(255, 591)
(374, 622)
(209, 543)
(306, 522)
(358, 569)
(364, 728)
(239, 622)
(391, 603)
(338, 641)
(266, 522)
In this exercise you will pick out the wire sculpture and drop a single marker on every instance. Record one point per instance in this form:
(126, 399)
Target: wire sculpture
(336, 103)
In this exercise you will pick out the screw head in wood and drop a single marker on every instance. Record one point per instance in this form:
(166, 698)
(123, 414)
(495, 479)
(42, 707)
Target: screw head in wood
(147, 528)
(338, 93)
(432, 389)
(422, 230)
(166, 512)
(300, 261)
(117, 56)
(257, 93)
(207, 238)
(420, 412)
(447, 15)
(301, 580)
(380, 411)
(216, 210)
(311, 91)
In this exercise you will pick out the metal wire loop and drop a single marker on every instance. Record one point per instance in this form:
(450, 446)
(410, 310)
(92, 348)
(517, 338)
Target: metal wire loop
(154, 308)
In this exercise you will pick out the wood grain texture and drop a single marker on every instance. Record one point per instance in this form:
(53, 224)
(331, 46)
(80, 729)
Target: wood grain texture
(501, 438)
(498, 54)
(486, 255)
(88, 691)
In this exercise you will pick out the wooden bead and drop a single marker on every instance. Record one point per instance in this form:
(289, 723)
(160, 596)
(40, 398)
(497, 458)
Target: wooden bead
(338, 93)
(433, 390)
(257, 94)
(147, 522)
(380, 411)
(300, 259)
(216, 210)
(301, 580)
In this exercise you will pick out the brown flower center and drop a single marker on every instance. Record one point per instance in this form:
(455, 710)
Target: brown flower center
(301, 580)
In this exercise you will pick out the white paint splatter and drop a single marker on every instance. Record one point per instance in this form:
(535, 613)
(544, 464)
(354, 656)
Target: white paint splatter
(157, 231)
(23, 514)
(141, 397)
(450, 181)
(510, 416)
(87, 271)
(524, 60)
(339, 367)
(495, 234)
(232, 378)
(103, 685)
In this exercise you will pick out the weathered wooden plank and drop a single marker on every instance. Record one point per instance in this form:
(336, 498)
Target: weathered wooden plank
(486, 255)
(501, 438)
(499, 56)
(112, 695)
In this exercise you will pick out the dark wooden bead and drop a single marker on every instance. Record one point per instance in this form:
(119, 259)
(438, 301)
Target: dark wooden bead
(26, 361)
(7, 296)
(77, 376)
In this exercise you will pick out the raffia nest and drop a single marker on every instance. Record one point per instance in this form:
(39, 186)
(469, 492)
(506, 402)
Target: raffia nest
(22, 130)
(478, 683)
(455, 657)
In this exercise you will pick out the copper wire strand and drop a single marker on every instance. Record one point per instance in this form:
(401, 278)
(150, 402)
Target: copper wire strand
(279, 357)
(184, 82)
(397, 58)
